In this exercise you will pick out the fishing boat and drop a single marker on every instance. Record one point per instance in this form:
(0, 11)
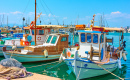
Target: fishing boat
(94, 57)
(50, 50)
(21, 39)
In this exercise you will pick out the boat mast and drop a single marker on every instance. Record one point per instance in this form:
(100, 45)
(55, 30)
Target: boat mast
(35, 23)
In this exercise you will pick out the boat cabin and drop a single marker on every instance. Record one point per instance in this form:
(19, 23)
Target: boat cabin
(54, 44)
(91, 41)
(41, 32)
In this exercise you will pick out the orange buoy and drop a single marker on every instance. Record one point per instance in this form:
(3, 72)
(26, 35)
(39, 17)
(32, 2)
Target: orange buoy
(68, 53)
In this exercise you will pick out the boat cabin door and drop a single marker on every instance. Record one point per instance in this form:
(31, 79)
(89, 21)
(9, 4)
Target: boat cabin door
(46, 31)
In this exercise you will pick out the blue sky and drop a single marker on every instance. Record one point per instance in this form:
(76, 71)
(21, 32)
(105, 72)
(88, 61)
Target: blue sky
(116, 12)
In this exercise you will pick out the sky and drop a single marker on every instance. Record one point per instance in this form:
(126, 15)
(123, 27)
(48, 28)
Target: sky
(115, 13)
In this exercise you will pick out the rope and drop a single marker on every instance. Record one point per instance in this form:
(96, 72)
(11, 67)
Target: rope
(50, 11)
(23, 12)
(42, 64)
(110, 72)
(45, 10)
(41, 16)
(51, 67)
(79, 73)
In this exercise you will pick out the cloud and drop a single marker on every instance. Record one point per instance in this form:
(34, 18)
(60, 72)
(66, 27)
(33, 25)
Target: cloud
(31, 13)
(117, 15)
(56, 16)
(98, 14)
(65, 18)
(117, 12)
(4, 13)
(49, 15)
(43, 14)
(16, 12)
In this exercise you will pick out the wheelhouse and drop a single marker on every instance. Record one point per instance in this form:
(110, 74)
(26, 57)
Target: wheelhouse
(96, 39)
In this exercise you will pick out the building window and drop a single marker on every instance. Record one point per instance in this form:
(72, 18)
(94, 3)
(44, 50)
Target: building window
(41, 32)
(95, 38)
(54, 40)
(89, 38)
(82, 37)
(48, 40)
(64, 39)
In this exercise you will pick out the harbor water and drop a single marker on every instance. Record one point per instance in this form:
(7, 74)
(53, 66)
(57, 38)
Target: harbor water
(61, 70)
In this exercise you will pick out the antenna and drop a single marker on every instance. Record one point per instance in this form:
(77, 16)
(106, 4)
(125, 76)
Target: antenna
(28, 21)
(77, 19)
(0, 21)
(101, 21)
(3, 19)
(7, 21)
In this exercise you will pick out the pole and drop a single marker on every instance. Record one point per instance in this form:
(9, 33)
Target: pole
(7, 26)
(119, 39)
(35, 23)
(7, 21)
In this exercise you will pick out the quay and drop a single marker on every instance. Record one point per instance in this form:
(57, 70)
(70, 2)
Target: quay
(36, 76)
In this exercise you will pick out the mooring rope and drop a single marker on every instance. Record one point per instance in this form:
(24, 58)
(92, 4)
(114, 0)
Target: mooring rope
(112, 73)
(43, 64)
(51, 67)
(79, 73)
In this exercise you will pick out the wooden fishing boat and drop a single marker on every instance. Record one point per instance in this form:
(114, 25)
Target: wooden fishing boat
(94, 57)
(50, 50)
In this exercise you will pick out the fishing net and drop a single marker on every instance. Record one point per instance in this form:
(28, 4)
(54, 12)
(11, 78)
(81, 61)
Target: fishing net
(10, 62)
(11, 69)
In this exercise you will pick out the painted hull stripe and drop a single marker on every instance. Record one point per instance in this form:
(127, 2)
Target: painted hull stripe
(91, 61)
(94, 68)
(31, 57)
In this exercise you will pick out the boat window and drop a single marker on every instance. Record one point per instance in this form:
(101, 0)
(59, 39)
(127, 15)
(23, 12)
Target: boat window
(54, 40)
(64, 39)
(83, 37)
(101, 38)
(95, 38)
(49, 38)
(33, 32)
(41, 32)
(89, 38)
(27, 31)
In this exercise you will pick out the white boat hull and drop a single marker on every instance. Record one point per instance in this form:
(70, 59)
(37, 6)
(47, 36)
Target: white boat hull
(87, 69)
(30, 58)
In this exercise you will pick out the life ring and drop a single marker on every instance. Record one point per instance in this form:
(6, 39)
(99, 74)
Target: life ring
(39, 38)
(32, 24)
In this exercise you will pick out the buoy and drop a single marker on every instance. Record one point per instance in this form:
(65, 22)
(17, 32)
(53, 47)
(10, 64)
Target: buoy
(124, 56)
(46, 53)
(68, 53)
